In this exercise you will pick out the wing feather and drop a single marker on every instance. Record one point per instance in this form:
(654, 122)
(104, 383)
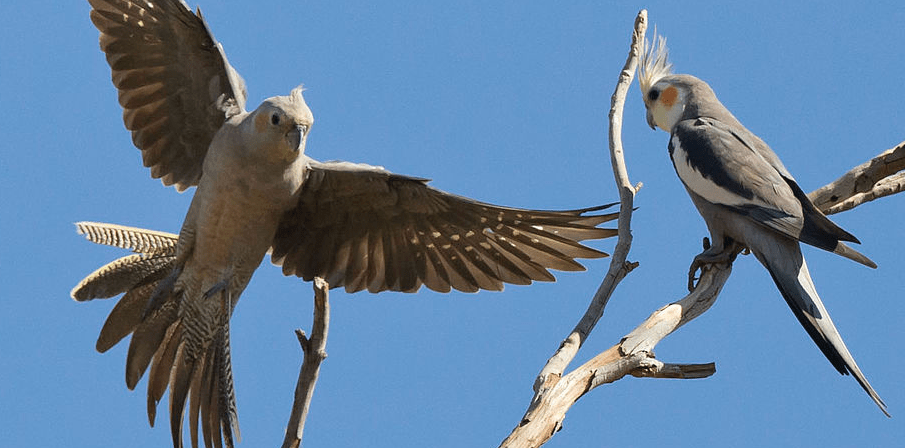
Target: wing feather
(174, 82)
(364, 227)
(728, 165)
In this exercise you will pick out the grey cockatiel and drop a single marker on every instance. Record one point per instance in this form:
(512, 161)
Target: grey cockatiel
(357, 226)
(747, 198)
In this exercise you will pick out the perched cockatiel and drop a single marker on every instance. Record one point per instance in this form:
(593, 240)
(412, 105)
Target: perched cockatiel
(747, 197)
(357, 226)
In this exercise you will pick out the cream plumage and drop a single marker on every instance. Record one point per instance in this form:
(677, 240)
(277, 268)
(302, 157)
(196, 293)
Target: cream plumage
(357, 226)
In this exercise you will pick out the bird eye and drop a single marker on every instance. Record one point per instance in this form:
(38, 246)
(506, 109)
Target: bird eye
(275, 119)
(653, 95)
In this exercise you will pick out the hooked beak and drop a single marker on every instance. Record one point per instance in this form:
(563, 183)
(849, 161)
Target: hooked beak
(296, 136)
(650, 120)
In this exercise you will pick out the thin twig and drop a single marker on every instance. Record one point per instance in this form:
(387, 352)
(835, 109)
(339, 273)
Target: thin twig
(314, 349)
(618, 266)
(526, 434)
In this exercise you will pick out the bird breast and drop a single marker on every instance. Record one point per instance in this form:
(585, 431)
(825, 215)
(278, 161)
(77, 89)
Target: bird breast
(234, 216)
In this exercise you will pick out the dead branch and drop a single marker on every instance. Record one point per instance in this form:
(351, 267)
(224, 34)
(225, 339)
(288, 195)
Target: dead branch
(314, 352)
(633, 355)
(878, 177)
(619, 268)
(555, 393)
(543, 419)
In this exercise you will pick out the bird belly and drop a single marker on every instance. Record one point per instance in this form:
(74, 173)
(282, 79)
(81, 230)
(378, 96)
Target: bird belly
(232, 233)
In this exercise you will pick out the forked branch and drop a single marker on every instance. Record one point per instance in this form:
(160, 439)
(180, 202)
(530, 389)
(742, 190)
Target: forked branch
(556, 391)
(314, 349)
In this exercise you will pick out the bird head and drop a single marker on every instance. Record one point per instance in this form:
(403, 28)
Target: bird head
(663, 100)
(282, 123)
(671, 98)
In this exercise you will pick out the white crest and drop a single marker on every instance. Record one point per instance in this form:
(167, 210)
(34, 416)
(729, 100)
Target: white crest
(654, 62)
(296, 94)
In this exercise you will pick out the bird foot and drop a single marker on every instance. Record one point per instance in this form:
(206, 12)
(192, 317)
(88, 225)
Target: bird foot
(711, 255)
(162, 293)
(216, 289)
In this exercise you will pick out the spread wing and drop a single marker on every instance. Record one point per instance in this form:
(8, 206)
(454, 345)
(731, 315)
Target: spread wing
(362, 227)
(175, 84)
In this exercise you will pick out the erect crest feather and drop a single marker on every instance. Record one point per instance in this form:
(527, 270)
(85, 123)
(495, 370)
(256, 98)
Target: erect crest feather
(654, 62)
(296, 94)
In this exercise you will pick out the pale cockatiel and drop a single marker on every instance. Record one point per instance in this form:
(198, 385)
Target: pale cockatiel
(747, 197)
(357, 226)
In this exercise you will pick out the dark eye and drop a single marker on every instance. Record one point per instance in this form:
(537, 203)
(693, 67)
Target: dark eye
(653, 95)
(275, 119)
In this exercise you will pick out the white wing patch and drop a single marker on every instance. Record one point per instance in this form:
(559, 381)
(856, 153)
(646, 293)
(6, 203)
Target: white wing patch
(704, 187)
(815, 308)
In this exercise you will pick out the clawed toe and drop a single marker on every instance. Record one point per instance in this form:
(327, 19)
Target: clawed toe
(711, 255)
(216, 289)
(695, 265)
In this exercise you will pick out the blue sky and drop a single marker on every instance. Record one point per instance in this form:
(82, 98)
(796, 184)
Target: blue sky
(505, 102)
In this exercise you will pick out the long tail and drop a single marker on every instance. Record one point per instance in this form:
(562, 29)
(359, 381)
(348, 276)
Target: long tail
(184, 340)
(196, 363)
(783, 260)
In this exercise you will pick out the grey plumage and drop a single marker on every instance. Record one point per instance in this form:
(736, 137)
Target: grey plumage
(747, 199)
(357, 226)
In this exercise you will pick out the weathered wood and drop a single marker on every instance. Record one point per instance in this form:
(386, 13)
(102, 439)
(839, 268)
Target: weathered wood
(633, 355)
(314, 351)
(619, 267)
(556, 392)
(876, 178)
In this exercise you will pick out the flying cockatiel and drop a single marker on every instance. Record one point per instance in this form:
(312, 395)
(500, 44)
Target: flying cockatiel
(357, 226)
(747, 198)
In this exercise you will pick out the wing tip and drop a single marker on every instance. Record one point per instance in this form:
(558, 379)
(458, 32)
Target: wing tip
(847, 251)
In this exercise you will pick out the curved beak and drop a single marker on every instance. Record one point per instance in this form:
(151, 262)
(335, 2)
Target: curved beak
(650, 120)
(296, 136)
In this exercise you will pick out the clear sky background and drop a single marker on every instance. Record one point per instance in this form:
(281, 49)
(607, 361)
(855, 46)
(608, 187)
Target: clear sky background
(505, 102)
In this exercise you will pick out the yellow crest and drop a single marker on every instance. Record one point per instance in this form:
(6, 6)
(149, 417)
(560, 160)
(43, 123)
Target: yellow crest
(654, 62)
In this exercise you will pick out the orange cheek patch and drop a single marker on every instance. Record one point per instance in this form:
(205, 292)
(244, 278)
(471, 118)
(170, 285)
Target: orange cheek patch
(668, 96)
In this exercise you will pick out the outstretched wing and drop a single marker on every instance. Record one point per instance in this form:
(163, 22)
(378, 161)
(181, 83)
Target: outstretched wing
(175, 84)
(362, 227)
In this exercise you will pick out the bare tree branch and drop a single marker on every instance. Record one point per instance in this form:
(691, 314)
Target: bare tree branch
(535, 429)
(619, 268)
(555, 392)
(633, 355)
(873, 179)
(314, 349)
